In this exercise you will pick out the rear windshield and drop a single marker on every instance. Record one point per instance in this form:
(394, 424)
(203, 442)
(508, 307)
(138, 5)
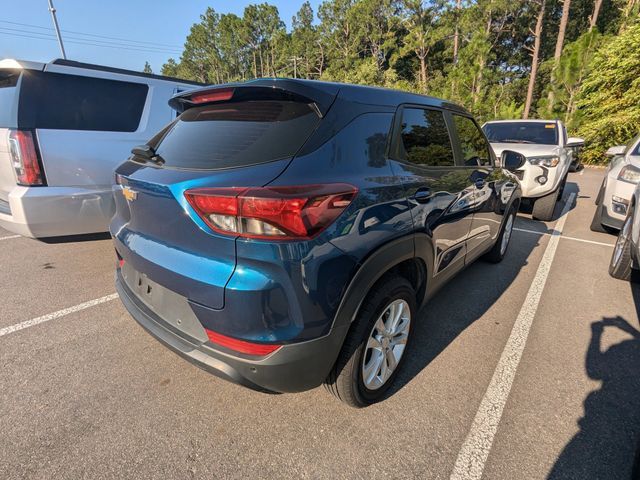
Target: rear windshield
(237, 134)
(522, 132)
(73, 102)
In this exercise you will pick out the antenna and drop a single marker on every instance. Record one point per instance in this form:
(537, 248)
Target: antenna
(55, 24)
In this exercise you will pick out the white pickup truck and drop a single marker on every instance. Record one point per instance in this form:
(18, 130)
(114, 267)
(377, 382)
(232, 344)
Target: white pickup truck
(550, 155)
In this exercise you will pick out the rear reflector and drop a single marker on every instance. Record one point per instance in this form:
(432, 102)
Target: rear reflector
(296, 212)
(241, 346)
(24, 158)
(212, 96)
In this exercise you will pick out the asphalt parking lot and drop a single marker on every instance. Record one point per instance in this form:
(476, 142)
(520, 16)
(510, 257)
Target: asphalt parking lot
(526, 369)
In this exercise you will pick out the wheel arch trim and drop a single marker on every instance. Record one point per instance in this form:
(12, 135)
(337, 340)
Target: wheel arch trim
(376, 265)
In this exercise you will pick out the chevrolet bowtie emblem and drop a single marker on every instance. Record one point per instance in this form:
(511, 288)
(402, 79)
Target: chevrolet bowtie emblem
(129, 194)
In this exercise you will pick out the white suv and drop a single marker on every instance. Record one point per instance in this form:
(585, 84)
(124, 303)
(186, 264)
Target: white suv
(549, 152)
(64, 127)
(623, 174)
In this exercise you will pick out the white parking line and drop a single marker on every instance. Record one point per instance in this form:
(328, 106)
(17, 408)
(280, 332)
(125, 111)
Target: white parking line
(476, 447)
(535, 232)
(9, 237)
(58, 314)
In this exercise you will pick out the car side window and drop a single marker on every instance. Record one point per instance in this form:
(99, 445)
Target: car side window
(474, 146)
(424, 138)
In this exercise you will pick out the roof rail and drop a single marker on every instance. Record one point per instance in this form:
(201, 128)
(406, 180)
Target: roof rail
(104, 68)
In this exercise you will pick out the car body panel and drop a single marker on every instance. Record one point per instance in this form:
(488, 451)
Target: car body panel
(614, 213)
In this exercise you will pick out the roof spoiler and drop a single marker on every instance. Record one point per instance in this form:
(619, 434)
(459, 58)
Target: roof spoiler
(319, 94)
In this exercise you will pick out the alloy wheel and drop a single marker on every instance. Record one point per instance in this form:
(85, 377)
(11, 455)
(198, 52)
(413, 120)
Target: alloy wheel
(386, 344)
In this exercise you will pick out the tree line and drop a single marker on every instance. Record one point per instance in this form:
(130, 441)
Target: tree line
(576, 60)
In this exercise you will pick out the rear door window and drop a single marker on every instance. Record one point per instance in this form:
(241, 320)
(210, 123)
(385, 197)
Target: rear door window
(424, 138)
(237, 134)
(73, 102)
(473, 144)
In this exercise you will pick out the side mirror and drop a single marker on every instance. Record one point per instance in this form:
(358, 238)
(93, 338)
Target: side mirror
(144, 151)
(575, 142)
(617, 150)
(512, 160)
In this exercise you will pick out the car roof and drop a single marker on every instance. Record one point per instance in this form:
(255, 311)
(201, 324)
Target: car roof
(29, 65)
(121, 71)
(356, 93)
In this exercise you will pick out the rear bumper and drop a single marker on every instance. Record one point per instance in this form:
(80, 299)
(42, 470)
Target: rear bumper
(40, 212)
(293, 368)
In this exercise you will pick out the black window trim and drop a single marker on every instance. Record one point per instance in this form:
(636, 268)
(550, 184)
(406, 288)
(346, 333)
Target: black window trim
(458, 150)
(394, 146)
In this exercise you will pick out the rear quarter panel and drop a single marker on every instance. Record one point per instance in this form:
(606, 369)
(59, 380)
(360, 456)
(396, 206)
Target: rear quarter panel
(307, 280)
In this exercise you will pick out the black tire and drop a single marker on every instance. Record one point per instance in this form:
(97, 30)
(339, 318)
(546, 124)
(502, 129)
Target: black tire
(496, 254)
(621, 263)
(544, 207)
(345, 379)
(562, 187)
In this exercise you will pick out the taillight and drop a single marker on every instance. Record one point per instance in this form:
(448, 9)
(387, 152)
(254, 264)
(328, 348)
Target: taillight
(24, 157)
(298, 212)
(212, 96)
(241, 346)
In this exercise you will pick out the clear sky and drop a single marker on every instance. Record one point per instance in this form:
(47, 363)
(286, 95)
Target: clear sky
(159, 28)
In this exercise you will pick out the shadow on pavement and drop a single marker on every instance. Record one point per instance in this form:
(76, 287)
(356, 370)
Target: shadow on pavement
(481, 285)
(446, 315)
(609, 432)
(570, 187)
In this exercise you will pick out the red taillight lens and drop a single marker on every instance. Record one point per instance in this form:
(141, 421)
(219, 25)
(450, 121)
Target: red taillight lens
(212, 96)
(248, 348)
(298, 212)
(24, 157)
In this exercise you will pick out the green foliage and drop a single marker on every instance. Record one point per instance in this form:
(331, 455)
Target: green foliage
(147, 68)
(608, 100)
(410, 45)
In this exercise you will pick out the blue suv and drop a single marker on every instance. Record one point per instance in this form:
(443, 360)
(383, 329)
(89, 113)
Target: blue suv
(284, 233)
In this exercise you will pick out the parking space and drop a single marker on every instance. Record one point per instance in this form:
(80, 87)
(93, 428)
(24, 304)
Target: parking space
(89, 394)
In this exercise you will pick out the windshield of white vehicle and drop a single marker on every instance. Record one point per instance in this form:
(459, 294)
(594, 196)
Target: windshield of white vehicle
(634, 141)
(540, 133)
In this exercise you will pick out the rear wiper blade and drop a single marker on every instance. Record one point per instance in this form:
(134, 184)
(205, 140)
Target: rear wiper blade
(146, 153)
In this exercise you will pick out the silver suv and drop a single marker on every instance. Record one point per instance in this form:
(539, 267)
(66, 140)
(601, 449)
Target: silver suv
(64, 127)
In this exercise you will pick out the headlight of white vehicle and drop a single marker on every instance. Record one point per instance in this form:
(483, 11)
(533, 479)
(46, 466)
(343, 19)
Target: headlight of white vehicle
(551, 161)
(629, 174)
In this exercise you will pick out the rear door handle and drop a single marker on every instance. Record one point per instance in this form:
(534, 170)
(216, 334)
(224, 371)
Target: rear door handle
(422, 194)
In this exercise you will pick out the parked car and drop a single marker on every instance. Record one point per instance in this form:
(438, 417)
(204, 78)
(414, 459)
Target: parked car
(624, 260)
(550, 155)
(623, 174)
(284, 233)
(64, 128)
